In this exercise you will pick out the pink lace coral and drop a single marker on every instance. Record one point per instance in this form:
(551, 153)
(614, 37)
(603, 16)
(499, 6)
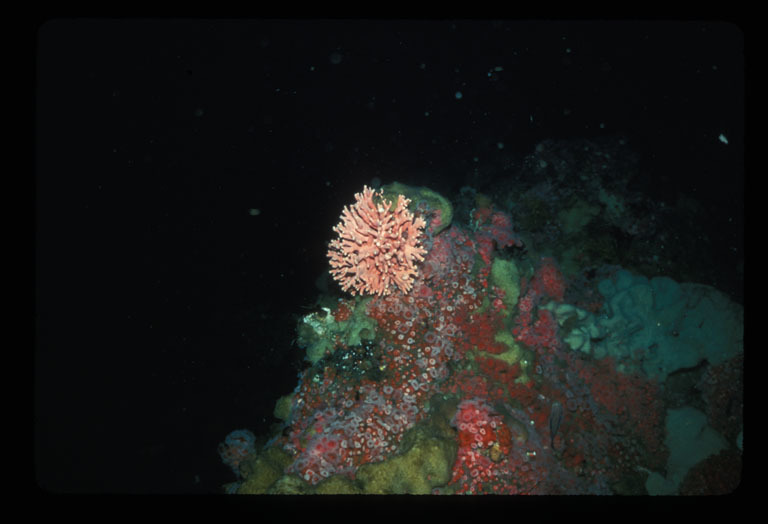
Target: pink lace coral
(377, 247)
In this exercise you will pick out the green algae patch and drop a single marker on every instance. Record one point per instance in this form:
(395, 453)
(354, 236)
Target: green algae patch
(424, 463)
(419, 196)
(577, 217)
(320, 333)
(290, 485)
(338, 485)
(514, 352)
(263, 471)
(283, 407)
(506, 276)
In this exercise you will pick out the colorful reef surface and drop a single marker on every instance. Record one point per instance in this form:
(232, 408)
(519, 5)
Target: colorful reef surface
(464, 359)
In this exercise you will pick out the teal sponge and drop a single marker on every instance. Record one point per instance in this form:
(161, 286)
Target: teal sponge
(689, 440)
(661, 326)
